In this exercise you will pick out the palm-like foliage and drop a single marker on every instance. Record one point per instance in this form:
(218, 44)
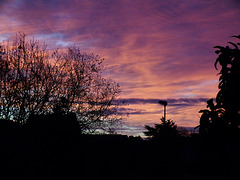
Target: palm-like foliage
(226, 111)
(228, 96)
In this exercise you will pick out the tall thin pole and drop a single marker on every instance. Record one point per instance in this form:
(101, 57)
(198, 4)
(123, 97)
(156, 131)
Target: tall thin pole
(165, 112)
(164, 103)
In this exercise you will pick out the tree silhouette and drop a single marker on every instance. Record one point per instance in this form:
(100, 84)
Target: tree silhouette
(34, 80)
(226, 111)
(166, 130)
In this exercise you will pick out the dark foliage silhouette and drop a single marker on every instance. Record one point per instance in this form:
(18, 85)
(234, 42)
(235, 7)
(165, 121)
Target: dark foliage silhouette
(228, 96)
(225, 114)
(211, 119)
(166, 130)
(54, 123)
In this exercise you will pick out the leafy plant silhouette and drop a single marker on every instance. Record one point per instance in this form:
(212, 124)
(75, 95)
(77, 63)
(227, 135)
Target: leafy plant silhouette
(211, 118)
(228, 96)
(226, 111)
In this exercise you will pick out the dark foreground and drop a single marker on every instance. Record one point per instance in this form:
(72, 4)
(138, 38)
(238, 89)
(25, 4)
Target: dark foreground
(33, 154)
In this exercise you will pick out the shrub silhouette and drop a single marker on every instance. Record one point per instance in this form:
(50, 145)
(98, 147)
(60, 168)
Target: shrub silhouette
(53, 124)
(225, 113)
(166, 130)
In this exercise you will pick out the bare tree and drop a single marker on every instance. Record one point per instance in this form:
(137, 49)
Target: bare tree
(22, 84)
(35, 80)
(88, 93)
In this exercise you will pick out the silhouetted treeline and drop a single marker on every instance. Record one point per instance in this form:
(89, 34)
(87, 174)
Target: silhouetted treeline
(53, 147)
(39, 149)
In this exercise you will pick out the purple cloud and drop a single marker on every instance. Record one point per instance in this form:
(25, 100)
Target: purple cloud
(171, 102)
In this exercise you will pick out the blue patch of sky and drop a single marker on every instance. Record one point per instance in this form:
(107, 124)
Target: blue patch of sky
(54, 40)
(5, 37)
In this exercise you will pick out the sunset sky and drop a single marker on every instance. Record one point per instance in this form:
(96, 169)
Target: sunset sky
(155, 49)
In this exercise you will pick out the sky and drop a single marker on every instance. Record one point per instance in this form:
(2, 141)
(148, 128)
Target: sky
(155, 49)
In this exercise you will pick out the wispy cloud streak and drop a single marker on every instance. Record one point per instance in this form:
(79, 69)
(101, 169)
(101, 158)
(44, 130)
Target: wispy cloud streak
(171, 102)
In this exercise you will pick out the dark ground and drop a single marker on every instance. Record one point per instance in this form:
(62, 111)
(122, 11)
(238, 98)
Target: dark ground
(28, 153)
